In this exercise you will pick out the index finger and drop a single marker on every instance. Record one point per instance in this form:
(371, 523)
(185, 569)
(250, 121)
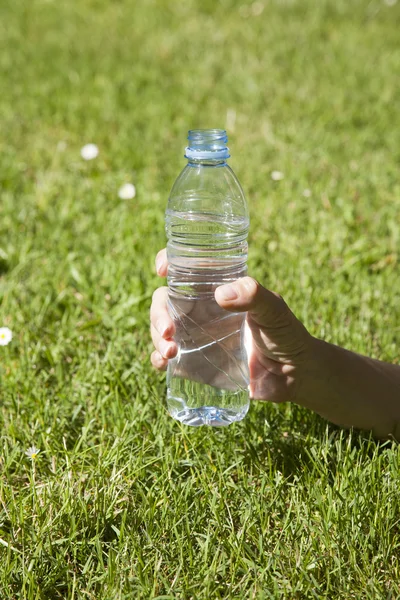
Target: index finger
(162, 263)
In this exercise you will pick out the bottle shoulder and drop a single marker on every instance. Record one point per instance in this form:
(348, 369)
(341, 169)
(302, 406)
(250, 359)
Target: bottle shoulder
(214, 189)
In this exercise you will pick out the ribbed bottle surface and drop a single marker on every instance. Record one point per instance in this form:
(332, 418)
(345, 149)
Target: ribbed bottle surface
(208, 380)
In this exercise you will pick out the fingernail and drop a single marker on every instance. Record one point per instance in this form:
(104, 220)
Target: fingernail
(228, 292)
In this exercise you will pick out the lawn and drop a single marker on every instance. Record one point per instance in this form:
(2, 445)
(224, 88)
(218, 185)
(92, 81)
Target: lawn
(122, 502)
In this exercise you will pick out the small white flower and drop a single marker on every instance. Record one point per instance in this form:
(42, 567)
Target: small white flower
(127, 191)
(390, 2)
(61, 146)
(5, 336)
(272, 246)
(32, 452)
(277, 175)
(89, 151)
(257, 8)
(307, 193)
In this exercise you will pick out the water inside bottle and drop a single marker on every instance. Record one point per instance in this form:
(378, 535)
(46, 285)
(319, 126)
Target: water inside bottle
(208, 380)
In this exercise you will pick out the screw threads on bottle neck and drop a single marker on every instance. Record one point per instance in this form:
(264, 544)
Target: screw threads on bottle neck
(207, 145)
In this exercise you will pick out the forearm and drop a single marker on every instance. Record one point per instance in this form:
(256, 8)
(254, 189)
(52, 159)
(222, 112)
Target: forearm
(352, 390)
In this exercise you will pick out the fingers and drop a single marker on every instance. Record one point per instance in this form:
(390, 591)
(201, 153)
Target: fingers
(162, 329)
(162, 263)
(247, 294)
(158, 361)
(159, 315)
(162, 326)
(166, 347)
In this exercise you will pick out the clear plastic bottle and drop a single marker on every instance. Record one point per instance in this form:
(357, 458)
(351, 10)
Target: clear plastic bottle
(207, 225)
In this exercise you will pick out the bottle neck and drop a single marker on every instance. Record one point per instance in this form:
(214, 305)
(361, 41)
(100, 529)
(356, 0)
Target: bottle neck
(206, 162)
(207, 147)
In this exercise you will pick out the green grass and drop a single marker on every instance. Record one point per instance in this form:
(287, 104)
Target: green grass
(122, 501)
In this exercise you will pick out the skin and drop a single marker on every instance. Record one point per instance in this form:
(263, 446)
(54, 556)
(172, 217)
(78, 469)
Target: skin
(287, 363)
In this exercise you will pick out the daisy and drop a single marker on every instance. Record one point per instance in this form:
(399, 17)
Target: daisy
(257, 8)
(89, 151)
(5, 336)
(127, 191)
(32, 452)
(277, 175)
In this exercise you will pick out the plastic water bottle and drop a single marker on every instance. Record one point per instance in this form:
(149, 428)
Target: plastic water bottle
(207, 225)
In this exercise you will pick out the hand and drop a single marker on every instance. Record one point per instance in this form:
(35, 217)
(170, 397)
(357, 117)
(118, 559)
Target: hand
(277, 343)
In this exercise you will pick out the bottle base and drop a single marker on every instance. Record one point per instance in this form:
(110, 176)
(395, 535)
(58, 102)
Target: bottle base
(194, 403)
(208, 415)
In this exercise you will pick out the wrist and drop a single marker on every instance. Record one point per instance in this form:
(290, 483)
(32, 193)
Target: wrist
(311, 373)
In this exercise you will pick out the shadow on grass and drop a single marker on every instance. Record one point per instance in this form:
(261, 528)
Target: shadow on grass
(303, 442)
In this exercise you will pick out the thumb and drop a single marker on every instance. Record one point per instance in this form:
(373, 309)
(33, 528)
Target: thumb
(276, 332)
(246, 294)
